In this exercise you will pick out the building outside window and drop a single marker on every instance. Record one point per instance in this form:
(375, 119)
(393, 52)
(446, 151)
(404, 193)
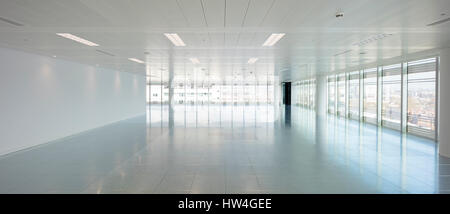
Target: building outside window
(421, 118)
(391, 96)
(370, 95)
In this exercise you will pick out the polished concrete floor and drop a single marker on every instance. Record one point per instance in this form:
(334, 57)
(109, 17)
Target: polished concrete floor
(229, 149)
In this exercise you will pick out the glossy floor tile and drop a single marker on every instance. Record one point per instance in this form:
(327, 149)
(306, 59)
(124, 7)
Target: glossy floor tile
(229, 149)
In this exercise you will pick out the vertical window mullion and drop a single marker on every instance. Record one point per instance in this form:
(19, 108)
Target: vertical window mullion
(379, 93)
(404, 101)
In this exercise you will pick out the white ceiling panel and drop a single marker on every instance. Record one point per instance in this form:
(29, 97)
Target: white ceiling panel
(193, 12)
(236, 10)
(224, 34)
(257, 10)
(214, 11)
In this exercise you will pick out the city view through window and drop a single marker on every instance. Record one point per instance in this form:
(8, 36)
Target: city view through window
(420, 91)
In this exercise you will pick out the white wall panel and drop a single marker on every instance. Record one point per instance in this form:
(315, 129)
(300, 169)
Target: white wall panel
(43, 98)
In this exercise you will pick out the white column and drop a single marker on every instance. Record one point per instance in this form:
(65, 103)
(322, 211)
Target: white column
(321, 95)
(444, 103)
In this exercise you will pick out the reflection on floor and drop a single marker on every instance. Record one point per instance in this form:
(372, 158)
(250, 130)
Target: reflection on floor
(229, 149)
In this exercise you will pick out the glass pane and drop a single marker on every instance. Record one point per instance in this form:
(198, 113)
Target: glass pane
(392, 96)
(370, 95)
(341, 95)
(312, 94)
(353, 95)
(331, 94)
(295, 93)
(422, 94)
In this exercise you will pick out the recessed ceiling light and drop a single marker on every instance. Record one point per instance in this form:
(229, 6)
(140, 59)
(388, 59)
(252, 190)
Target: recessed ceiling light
(194, 60)
(77, 39)
(175, 39)
(136, 60)
(273, 39)
(252, 60)
(372, 39)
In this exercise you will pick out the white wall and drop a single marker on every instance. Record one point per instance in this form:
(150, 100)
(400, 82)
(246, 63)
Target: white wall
(444, 103)
(43, 98)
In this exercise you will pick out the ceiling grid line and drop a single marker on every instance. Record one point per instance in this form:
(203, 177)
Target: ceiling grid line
(182, 13)
(206, 21)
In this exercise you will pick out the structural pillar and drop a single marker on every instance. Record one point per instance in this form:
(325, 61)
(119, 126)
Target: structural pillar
(444, 103)
(321, 95)
(171, 89)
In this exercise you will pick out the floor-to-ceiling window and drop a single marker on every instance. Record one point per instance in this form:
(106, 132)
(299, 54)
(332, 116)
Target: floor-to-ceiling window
(422, 97)
(295, 91)
(356, 93)
(353, 95)
(303, 93)
(391, 96)
(341, 94)
(331, 93)
(370, 95)
(312, 94)
(270, 91)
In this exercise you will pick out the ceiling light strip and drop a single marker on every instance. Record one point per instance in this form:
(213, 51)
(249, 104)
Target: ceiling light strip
(136, 60)
(194, 60)
(252, 60)
(273, 39)
(77, 39)
(175, 39)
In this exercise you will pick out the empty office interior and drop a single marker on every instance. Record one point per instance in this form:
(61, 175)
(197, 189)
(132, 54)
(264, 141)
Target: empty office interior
(225, 96)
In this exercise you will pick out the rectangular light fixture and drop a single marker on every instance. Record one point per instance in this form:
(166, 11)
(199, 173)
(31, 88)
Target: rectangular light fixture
(175, 39)
(194, 60)
(77, 39)
(136, 60)
(273, 39)
(252, 60)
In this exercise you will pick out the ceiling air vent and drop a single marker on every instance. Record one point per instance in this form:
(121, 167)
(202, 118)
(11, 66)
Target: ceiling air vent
(104, 52)
(439, 22)
(11, 22)
(372, 39)
(342, 53)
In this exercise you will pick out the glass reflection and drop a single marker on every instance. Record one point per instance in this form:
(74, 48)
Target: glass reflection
(196, 99)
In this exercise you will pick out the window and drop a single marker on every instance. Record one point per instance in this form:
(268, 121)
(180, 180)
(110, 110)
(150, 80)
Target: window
(261, 93)
(370, 95)
(312, 94)
(155, 91)
(303, 92)
(227, 95)
(331, 93)
(178, 92)
(249, 94)
(353, 95)
(202, 94)
(190, 93)
(391, 96)
(376, 94)
(341, 95)
(270, 92)
(295, 91)
(422, 97)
